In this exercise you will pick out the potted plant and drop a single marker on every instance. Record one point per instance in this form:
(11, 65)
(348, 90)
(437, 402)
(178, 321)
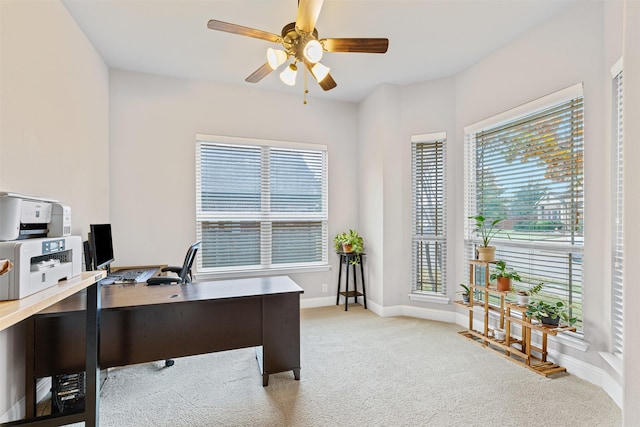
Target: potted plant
(503, 276)
(524, 294)
(487, 230)
(466, 293)
(550, 313)
(348, 242)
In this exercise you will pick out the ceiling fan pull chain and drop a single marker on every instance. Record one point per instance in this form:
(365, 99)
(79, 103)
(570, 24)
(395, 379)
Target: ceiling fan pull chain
(306, 90)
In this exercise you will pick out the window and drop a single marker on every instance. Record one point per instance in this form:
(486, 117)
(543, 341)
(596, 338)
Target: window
(617, 250)
(526, 166)
(260, 205)
(429, 246)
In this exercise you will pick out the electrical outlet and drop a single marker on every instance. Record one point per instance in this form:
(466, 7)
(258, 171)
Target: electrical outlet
(325, 287)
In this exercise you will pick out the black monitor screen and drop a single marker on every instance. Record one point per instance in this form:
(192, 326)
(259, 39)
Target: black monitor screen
(101, 245)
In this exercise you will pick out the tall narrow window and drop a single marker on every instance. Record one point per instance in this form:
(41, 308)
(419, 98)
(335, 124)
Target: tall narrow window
(429, 246)
(526, 167)
(617, 253)
(260, 205)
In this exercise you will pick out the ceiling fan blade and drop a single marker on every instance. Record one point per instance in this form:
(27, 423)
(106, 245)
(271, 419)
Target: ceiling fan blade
(259, 74)
(308, 11)
(243, 31)
(327, 83)
(356, 45)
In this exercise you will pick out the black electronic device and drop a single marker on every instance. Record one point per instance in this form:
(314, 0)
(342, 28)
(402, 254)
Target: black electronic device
(67, 392)
(101, 245)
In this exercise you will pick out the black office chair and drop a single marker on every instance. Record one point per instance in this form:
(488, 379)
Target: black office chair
(183, 273)
(183, 276)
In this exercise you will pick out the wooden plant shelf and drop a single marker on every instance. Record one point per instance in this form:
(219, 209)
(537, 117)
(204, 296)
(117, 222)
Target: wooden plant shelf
(520, 351)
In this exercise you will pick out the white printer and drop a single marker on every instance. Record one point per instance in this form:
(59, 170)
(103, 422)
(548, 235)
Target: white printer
(39, 264)
(23, 217)
(35, 235)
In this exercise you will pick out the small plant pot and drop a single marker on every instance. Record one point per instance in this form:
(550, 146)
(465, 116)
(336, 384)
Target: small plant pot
(551, 322)
(503, 284)
(465, 298)
(499, 334)
(523, 299)
(347, 248)
(487, 253)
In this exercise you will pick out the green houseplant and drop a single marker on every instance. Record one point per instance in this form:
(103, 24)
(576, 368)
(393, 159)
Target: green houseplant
(503, 276)
(550, 313)
(524, 294)
(466, 293)
(349, 241)
(487, 230)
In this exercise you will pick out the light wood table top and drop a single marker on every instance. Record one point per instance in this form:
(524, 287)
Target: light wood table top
(15, 311)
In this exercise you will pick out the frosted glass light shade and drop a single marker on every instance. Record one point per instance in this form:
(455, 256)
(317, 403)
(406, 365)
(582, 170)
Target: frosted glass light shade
(288, 76)
(313, 51)
(320, 71)
(276, 57)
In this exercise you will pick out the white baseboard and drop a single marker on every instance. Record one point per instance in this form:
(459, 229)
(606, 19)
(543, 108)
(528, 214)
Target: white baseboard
(317, 302)
(18, 410)
(612, 388)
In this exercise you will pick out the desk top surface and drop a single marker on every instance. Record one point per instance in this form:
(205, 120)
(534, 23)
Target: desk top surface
(15, 311)
(139, 294)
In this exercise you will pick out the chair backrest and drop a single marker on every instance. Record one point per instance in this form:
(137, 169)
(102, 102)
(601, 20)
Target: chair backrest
(185, 273)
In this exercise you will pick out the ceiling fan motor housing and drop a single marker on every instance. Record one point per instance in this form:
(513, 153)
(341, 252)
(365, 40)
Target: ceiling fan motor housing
(294, 41)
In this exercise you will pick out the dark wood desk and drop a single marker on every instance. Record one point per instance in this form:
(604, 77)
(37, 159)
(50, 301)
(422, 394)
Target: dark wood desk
(13, 312)
(141, 323)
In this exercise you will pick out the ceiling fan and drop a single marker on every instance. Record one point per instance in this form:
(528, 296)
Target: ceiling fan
(301, 44)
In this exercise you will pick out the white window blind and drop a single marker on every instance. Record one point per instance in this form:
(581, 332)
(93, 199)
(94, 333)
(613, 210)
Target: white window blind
(429, 247)
(617, 288)
(260, 205)
(529, 171)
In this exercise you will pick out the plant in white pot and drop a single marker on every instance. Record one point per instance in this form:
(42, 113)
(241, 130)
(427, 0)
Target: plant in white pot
(487, 230)
(524, 294)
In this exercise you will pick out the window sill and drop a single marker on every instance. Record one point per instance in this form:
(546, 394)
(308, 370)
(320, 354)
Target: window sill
(234, 274)
(571, 340)
(432, 298)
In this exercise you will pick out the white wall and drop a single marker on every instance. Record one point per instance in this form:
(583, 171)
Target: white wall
(54, 134)
(154, 121)
(428, 108)
(566, 50)
(632, 205)
(370, 184)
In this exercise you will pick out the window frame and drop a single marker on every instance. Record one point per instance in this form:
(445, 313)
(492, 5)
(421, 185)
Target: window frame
(617, 212)
(535, 247)
(266, 219)
(439, 236)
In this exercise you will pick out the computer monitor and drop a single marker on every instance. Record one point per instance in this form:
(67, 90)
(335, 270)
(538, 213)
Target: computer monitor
(101, 245)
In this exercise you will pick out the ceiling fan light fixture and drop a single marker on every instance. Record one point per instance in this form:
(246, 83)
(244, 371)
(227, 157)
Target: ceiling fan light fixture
(276, 57)
(320, 71)
(288, 76)
(313, 51)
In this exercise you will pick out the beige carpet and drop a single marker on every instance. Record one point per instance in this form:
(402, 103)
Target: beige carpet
(358, 369)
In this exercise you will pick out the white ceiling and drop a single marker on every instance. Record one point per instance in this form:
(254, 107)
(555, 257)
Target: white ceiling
(428, 39)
